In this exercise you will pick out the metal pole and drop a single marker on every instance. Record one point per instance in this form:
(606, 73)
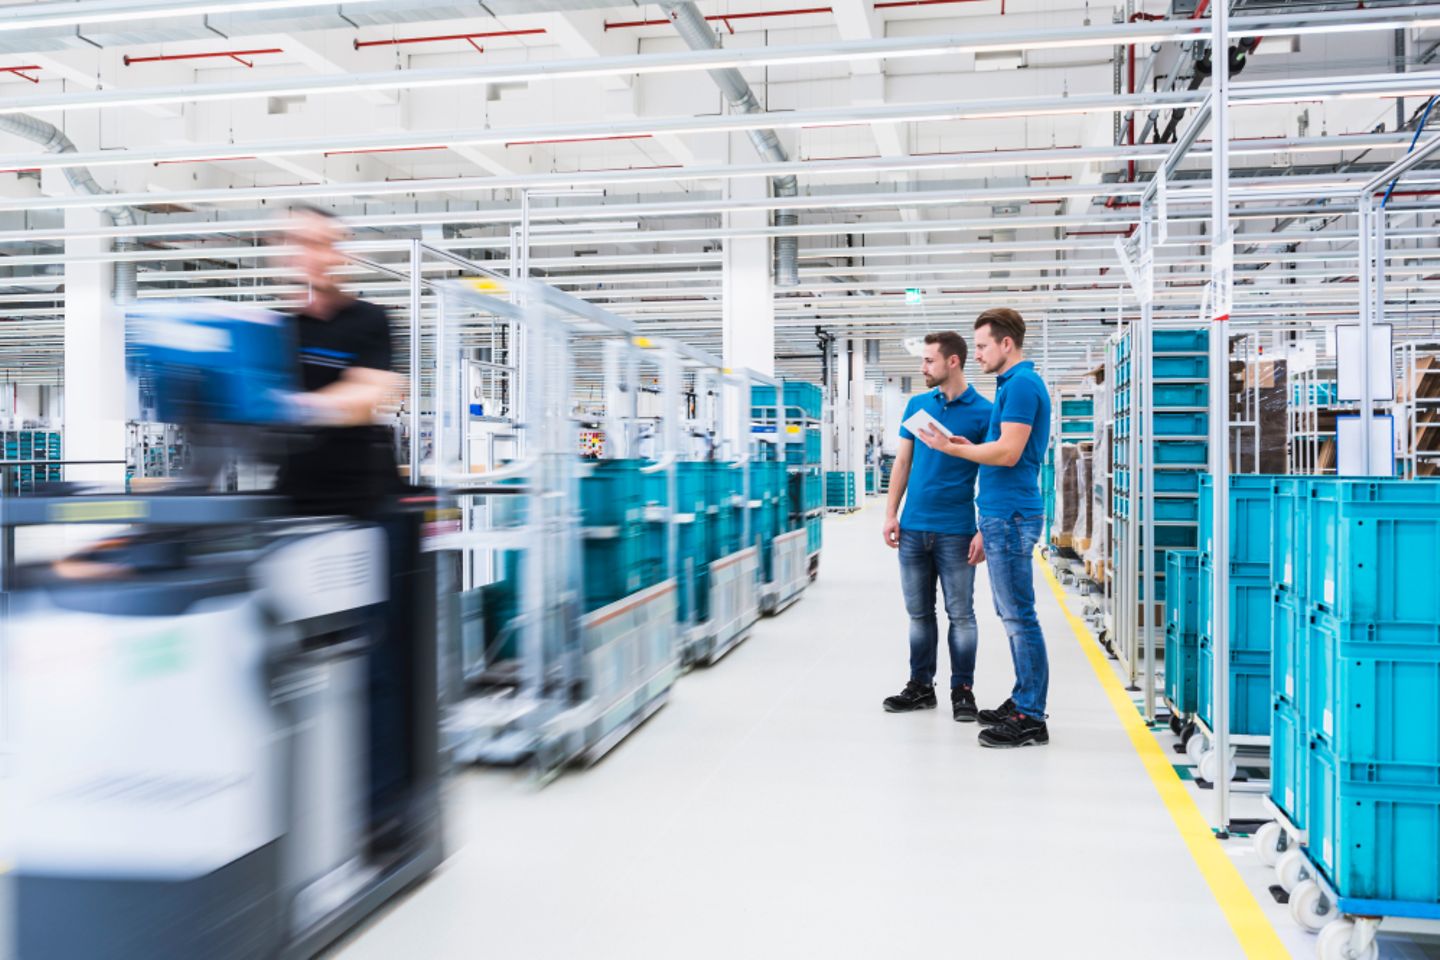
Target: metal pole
(1372, 266)
(1132, 515)
(1144, 394)
(1222, 259)
(438, 383)
(417, 370)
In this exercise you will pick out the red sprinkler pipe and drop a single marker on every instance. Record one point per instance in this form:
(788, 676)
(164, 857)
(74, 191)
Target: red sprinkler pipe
(725, 18)
(347, 153)
(892, 4)
(167, 163)
(235, 55)
(467, 37)
(623, 136)
(18, 72)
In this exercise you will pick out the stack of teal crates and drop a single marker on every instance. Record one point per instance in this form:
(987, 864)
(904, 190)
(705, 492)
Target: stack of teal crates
(1250, 592)
(29, 445)
(803, 494)
(768, 502)
(1356, 685)
(840, 490)
(1182, 631)
(1180, 392)
(619, 555)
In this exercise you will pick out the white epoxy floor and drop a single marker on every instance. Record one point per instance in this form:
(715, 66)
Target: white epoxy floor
(772, 809)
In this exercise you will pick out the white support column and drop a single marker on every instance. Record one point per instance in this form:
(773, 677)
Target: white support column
(95, 400)
(748, 309)
(893, 403)
(856, 460)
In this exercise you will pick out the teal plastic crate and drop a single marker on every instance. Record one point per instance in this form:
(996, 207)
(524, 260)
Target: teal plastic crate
(1251, 523)
(1168, 424)
(613, 568)
(1372, 702)
(1374, 828)
(1289, 635)
(1181, 341)
(1178, 509)
(1181, 368)
(1184, 453)
(1251, 611)
(1077, 428)
(1077, 408)
(1182, 629)
(1249, 690)
(814, 534)
(1289, 761)
(1289, 514)
(1370, 542)
(612, 494)
(1190, 395)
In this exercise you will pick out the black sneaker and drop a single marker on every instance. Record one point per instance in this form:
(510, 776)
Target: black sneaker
(1018, 731)
(962, 703)
(991, 718)
(915, 696)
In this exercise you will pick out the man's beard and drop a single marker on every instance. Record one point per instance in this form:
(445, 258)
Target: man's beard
(932, 382)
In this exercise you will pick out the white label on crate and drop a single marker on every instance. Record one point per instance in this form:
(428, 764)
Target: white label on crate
(1327, 850)
(1289, 797)
(1328, 722)
(1290, 687)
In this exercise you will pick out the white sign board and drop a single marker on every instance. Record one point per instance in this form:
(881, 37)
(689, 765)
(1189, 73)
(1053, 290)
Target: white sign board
(1349, 384)
(1349, 449)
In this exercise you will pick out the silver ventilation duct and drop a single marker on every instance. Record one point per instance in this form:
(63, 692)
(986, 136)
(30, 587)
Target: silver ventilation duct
(695, 31)
(53, 140)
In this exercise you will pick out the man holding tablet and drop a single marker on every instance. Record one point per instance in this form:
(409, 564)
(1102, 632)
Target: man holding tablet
(937, 536)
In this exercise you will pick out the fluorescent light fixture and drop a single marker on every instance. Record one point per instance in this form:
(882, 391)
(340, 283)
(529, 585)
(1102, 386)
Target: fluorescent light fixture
(76, 14)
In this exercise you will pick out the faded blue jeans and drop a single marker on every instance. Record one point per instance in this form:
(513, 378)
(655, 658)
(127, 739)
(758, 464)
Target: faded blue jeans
(924, 558)
(1009, 549)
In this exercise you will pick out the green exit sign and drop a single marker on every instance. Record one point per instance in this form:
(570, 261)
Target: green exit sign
(913, 296)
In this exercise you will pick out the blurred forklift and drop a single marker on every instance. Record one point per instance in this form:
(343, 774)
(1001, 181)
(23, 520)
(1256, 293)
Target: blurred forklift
(224, 721)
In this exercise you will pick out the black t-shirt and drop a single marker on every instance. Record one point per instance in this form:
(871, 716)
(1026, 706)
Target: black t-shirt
(345, 470)
(358, 335)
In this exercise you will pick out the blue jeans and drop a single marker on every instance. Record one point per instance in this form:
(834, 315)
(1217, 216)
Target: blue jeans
(1009, 549)
(924, 558)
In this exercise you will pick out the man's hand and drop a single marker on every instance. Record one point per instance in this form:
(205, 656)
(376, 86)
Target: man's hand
(977, 550)
(891, 532)
(934, 439)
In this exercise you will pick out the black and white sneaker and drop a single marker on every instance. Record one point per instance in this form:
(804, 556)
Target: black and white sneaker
(992, 718)
(1018, 731)
(915, 696)
(962, 704)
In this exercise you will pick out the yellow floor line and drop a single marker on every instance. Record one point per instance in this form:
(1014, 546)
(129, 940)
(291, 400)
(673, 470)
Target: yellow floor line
(1256, 934)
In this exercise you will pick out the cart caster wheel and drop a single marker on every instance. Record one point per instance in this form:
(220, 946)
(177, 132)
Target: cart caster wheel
(1177, 726)
(1290, 869)
(1196, 746)
(1210, 767)
(1335, 943)
(1271, 841)
(1309, 907)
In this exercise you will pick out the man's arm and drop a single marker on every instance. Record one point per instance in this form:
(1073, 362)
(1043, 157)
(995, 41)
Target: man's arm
(352, 400)
(899, 480)
(1005, 452)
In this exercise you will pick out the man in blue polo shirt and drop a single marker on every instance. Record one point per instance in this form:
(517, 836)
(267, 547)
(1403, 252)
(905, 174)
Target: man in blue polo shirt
(936, 536)
(1011, 516)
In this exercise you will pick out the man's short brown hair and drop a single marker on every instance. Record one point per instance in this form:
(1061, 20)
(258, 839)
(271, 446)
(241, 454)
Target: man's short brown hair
(951, 344)
(1003, 322)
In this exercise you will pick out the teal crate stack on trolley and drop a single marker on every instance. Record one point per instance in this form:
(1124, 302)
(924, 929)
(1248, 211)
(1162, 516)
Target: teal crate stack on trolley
(29, 445)
(1180, 392)
(1355, 693)
(1249, 606)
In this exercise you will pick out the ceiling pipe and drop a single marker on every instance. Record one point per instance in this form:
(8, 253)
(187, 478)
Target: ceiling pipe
(236, 55)
(53, 140)
(469, 38)
(690, 24)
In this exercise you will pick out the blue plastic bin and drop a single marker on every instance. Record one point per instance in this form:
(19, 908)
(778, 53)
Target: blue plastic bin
(1374, 829)
(1249, 690)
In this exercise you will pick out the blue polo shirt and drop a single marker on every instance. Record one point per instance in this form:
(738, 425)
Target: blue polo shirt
(941, 495)
(1020, 397)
